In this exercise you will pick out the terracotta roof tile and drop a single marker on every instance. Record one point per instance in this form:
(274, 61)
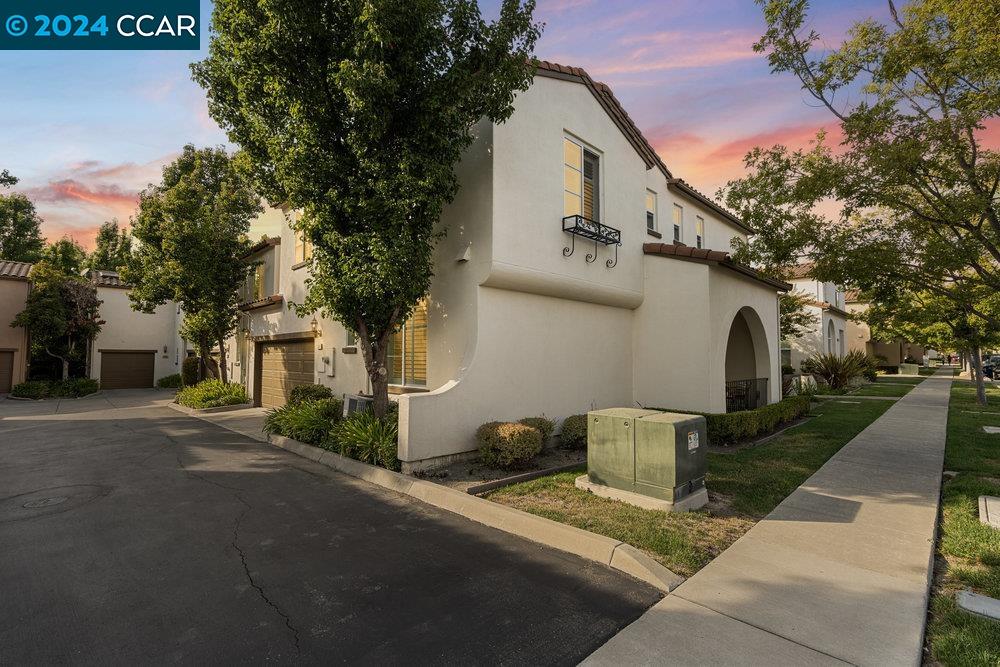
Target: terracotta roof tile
(707, 256)
(104, 278)
(14, 270)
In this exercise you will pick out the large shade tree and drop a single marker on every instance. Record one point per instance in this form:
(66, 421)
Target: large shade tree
(65, 254)
(914, 183)
(112, 248)
(20, 225)
(192, 230)
(355, 112)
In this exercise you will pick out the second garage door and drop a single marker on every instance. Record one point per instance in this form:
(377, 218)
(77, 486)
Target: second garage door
(284, 365)
(6, 370)
(127, 369)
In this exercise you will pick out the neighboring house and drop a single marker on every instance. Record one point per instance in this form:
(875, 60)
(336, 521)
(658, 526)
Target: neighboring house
(554, 292)
(888, 353)
(828, 307)
(133, 349)
(14, 288)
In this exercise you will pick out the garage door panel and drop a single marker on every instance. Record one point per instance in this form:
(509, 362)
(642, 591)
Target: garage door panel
(284, 366)
(6, 370)
(127, 369)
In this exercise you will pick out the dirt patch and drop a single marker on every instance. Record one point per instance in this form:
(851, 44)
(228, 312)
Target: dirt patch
(465, 474)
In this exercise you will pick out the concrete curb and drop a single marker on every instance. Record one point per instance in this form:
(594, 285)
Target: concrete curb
(194, 412)
(605, 550)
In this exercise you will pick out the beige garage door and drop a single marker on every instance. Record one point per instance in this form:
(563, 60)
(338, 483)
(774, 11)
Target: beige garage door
(126, 369)
(284, 365)
(6, 370)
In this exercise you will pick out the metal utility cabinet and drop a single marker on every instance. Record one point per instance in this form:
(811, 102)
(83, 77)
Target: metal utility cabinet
(657, 457)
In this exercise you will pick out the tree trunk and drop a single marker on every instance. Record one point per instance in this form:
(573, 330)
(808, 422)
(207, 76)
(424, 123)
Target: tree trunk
(65, 369)
(977, 372)
(374, 355)
(223, 371)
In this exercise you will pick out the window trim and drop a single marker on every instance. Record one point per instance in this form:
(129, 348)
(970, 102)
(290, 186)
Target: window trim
(655, 211)
(699, 231)
(678, 224)
(585, 148)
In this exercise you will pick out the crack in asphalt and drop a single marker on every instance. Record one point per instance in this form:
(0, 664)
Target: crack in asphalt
(236, 531)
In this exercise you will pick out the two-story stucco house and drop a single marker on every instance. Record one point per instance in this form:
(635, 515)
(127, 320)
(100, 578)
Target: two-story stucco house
(14, 353)
(133, 349)
(577, 273)
(828, 307)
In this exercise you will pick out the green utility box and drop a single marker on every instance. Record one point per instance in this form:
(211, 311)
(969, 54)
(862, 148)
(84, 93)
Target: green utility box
(909, 369)
(656, 454)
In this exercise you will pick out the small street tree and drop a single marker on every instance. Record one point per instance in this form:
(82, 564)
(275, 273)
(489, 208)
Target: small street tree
(112, 248)
(20, 226)
(192, 240)
(355, 112)
(62, 314)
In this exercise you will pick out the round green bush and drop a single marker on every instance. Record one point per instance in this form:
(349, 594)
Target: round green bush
(309, 392)
(190, 370)
(574, 432)
(544, 426)
(31, 389)
(170, 382)
(508, 444)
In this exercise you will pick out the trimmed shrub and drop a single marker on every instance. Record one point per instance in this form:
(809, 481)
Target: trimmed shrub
(545, 426)
(574, 432)
(309, 392)
(72, 388)
(170, 382)
(212, 394)
(364, 437)
(190, 369)
(31, 389)
(729, 427)
(508, 444)
(306, 421)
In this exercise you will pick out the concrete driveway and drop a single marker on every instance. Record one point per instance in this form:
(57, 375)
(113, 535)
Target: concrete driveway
(132, 533)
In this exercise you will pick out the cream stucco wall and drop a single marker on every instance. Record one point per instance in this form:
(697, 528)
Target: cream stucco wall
(127, 329)
(13, 296)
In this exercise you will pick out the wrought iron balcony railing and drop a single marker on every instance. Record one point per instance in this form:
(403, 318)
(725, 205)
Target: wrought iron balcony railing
(746, 394)
(577, 225)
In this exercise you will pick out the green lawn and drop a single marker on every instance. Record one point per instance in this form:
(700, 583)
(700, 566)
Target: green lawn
(883, 389)
(898, 379)
(968, 551)
(744, 485)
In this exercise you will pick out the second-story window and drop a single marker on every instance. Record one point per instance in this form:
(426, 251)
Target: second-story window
(303, 247)
(581, 181)
(257, 287)
(650, 210)
(678, 223)
(699, 231)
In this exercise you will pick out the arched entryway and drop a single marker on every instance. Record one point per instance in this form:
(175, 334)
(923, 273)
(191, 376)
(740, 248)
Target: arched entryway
(831, 338)
(748, 362)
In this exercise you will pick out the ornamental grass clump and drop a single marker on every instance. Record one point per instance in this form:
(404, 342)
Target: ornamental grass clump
(212, 394)
(309, 421)
(365, 437)
(508, 444)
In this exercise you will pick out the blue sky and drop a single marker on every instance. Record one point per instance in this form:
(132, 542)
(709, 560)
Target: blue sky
(85, 131)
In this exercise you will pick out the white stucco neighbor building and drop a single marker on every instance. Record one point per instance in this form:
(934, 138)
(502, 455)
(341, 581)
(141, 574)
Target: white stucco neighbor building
(577, 273)
(133, 349)
(828, 307)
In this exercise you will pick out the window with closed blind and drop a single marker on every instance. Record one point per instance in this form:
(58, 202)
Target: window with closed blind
(303, 247)
(581, 181)
(406, 360)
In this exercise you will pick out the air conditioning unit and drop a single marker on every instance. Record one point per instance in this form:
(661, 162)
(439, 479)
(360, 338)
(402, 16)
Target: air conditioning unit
(356, 403)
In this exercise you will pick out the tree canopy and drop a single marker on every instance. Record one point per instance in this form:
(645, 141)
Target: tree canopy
(112, 248)
(20, 226)
(355, 112)
(192, 230)
(66, 255)
(62, 314)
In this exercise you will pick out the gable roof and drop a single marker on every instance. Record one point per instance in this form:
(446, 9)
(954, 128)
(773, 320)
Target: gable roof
(706, 256)
(606, 98)
(14, 270)
(602, 93)
(802, 271)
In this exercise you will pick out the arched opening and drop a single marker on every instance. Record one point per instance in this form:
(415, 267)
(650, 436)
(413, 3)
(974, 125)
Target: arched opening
(748, 362)
(831, 338)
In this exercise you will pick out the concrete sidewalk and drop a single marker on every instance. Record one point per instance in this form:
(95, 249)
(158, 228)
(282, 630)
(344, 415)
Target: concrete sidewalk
(838, 573)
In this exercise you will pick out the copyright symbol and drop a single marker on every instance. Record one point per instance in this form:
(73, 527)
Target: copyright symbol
(16, 25)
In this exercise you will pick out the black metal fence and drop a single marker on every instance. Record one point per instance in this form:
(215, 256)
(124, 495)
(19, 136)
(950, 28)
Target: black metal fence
(746, 394)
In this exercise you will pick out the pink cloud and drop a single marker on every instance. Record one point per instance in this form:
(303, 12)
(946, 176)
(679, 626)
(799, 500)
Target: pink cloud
(70, 190)
(671, 50)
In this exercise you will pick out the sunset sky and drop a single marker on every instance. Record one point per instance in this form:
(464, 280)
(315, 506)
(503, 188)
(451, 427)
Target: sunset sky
(85, 131)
